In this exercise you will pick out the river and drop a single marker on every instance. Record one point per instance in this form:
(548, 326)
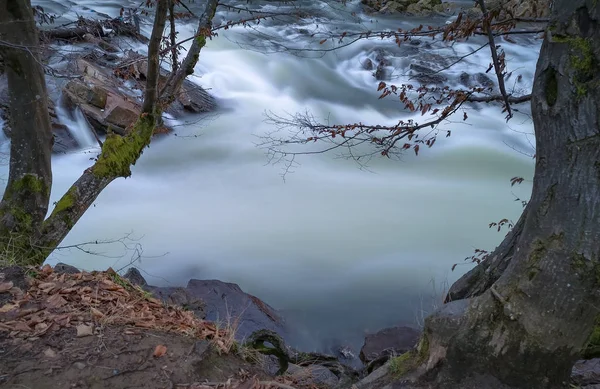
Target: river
(341, 250)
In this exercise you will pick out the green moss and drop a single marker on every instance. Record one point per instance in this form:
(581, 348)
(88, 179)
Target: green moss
(66, 202)
(592, 350)
(586, 267)
(32, 183)
(582, 61)
(119, 153)
(405, 363)
(400, 366)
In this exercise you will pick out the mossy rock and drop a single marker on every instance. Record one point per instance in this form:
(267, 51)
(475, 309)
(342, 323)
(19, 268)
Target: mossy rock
(592, 350)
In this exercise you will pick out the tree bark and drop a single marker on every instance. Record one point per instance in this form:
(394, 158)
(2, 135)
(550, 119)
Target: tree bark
(527, 328)
(160, 20)
(175, 81)
(27, 193)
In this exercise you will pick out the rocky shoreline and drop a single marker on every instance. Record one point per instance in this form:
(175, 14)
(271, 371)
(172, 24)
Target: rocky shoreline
(30, 298)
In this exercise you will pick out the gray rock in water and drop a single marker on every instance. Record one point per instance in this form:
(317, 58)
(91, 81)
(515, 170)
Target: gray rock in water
(67, 269)
(390, 341)
(586, 373)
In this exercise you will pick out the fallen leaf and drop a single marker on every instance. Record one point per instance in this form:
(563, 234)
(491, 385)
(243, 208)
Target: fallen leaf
(8, 307)
(5, 286)
(47, 286)
(47, 269)
(84, 330)
(159, 351)
(20, 326)
(55, 301)
(97, 314)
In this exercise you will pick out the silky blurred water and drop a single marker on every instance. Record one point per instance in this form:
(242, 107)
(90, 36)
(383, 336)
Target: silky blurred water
(342, 250)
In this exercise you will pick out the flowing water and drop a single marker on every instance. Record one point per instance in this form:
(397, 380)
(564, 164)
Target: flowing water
(342, 250)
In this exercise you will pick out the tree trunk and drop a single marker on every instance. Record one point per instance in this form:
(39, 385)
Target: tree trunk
(528, 328)
(27, 193)
(173, 85)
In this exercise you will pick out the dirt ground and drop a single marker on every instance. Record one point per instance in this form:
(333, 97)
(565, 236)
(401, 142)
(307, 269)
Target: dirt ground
(116, 357)
(96, 330)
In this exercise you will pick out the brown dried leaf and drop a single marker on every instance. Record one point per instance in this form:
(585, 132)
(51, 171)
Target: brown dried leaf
(97, 314)
(159, 351)
(8, 307)
(46, 287)
(55, 301)
(6, 286)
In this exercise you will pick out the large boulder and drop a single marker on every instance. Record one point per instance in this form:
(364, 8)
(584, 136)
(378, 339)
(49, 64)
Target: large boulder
(220, 302)
(388, 342)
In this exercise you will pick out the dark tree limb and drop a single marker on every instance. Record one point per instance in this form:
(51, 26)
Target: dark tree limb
(493, 98)
(171, 89)
(153, 75)
(496, 62)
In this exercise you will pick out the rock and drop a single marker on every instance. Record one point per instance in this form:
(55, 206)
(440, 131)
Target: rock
(87, 94)
(478, 80)
(134, 276)
(226, 304)
(49, 353)
(368, 64)
(312, 375)
(64, 268)
(390, 341)
(382, 73)
(586, 372)
(122, 116)
(426, 75)
(84, 330)
(79, 365)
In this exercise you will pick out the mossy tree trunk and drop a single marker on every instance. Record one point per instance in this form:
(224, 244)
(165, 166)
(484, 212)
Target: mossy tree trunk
(24, 234)
(526, 324)
(25, 201)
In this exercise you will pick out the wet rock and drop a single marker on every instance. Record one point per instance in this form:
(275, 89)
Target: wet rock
(134, 276)
(87, 94)
(586, 372)
(390, 341)
(315, 375)
(64, 268)
(427, 76)
(382, 73)
(477, 80)
(368, 64)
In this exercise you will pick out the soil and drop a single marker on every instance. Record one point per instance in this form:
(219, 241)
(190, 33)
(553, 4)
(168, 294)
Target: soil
(97, 330)
(116, 357)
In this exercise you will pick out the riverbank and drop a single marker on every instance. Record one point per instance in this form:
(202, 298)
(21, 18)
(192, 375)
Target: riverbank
(60, 327)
